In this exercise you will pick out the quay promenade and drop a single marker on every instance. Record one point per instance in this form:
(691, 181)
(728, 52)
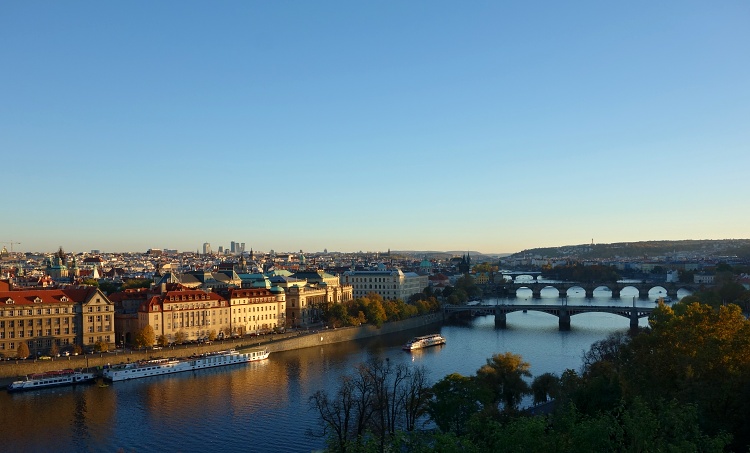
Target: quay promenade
(298, 339)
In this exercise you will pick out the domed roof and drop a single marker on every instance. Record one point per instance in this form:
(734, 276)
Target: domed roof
(277, 290)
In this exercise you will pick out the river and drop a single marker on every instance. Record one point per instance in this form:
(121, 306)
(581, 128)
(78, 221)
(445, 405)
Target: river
(263, 407)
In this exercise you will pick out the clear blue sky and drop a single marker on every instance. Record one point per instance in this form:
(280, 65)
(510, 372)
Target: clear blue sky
(431, 125)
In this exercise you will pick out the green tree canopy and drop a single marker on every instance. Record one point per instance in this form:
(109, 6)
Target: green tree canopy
(456, 399)
(137, 283)
(503, 376)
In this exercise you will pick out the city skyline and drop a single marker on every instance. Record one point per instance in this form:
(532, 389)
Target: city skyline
(372, 126)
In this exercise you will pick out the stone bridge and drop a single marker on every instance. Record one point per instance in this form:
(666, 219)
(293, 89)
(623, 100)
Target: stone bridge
(563, 312)
(616, 288)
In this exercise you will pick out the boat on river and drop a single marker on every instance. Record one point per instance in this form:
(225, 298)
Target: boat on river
(51, 379)
(424, 341)
(158, 367)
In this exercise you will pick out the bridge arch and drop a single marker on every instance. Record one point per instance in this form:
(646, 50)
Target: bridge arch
(564, 312)
(549, 291)
(621, 290)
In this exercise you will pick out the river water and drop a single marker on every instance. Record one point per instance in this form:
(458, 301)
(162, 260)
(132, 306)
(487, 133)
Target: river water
(263, 407)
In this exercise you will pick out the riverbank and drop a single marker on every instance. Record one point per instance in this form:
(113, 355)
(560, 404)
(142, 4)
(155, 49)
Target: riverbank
(11, 370)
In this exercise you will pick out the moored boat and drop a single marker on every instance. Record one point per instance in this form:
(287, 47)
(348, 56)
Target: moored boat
(51, 379)
(424, 342)
(158, 367)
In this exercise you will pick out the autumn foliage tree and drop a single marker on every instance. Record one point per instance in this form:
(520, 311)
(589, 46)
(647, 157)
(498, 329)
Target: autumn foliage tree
(696, 354)
(145, 337)
(23, 350)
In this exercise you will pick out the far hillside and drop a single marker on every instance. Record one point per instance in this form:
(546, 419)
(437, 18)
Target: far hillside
(739, 248)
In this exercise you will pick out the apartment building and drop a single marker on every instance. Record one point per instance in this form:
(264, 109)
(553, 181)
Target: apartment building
(80, 316)
(389, 284)
(195, 314)
(257, 310)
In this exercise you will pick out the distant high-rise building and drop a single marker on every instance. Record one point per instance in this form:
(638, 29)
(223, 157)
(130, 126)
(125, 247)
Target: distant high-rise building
(221, 249)
(233, 247)
(206, 248)
(242, 247)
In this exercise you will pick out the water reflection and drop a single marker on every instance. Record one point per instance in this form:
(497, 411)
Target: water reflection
(264, 406)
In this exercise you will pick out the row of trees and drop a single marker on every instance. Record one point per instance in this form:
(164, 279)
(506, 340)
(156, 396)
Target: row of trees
(726, 289)
(679, 385)
(373, 309)
(23, 351)
(579, 273)
(146, 337)
(464, 291)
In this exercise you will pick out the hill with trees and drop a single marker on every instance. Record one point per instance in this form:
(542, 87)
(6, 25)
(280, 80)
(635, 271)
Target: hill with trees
(739, 248)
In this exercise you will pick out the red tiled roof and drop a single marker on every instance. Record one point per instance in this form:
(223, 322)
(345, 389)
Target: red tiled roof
(26, 297)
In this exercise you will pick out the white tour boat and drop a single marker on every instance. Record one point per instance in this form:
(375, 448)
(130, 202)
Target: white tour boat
(424, 342)
(51, 379)
(158, 367)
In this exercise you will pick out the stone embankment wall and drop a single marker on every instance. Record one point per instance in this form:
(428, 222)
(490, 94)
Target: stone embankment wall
(9, 370)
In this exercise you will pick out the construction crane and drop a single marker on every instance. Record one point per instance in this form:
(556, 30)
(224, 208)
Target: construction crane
(12, 243)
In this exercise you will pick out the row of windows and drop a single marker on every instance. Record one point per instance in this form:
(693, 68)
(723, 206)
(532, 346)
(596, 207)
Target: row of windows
(377, 287)
(98, 308)
(106, 328)
(39, 333)
(253, 301)
(30, 322)
(189, 323)
(193, 307)
(39, 311)
(254, 318)
(98, 318)
(372, 279)
(260, 308)
(188, 297)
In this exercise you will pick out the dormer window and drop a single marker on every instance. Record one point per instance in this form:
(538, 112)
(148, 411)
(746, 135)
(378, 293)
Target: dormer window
(9, 301)
(37, 300)
(63, 299)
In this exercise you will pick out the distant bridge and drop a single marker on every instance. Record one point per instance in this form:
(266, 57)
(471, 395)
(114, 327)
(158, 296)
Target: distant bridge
(563, 312)
(616, 287)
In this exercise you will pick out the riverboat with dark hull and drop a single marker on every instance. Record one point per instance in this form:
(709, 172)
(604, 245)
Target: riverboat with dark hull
(48, 379)
(158, 367)
(424, 341)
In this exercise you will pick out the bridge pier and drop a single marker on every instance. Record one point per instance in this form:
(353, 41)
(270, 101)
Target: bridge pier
(500, 319)
(536, 291)
(564, 323)
(634, 319)
(615, 293)
(672, 292)
(589, 293)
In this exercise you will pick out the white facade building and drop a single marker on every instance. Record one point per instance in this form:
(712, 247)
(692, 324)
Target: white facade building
(388, 284)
